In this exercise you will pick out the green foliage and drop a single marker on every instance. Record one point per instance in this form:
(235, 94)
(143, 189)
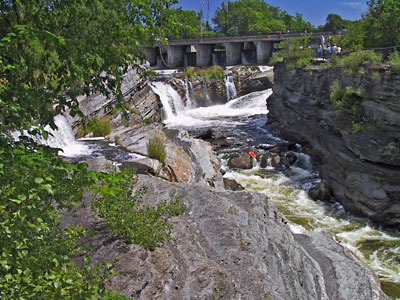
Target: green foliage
(356, 128)
(51, 52)
(295, 53)
(185, 23)
(99, 127)
(394, 60)
(35, 250)
(381, 23)
(335, 23)
(255, 16)
(212, 72)
(356, 61)
(147, 121)
(150, 73)
(347, 100)
(156, 149)
(125, 213)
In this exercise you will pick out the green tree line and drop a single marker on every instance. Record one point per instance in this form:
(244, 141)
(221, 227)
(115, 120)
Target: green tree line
(51, 52)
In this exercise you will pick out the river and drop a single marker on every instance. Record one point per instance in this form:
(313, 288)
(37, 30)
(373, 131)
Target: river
(243, 120)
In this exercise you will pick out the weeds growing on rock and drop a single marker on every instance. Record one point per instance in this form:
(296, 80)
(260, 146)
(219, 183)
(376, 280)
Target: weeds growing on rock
(123, 210)
(156, 149)
(98, 126)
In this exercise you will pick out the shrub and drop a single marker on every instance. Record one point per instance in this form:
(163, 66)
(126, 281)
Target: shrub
(347, 100)
(357, 60)
(216, 72)
(150, 73)
(146, 121)
(116, 140)
(99, 127)
(156, 149)
(394, 60)
(124, 212)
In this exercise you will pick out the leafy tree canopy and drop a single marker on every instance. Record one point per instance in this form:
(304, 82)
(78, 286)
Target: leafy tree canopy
(381, 23)
(51, 52)
(251, 16)
(335, 23)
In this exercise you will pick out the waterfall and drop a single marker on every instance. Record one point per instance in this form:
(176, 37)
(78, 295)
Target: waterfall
(189, 100)
(230, 87)
(205, 92)
(62, 138)
(170, 99)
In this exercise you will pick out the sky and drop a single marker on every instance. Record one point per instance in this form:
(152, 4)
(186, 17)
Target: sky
(314, 11)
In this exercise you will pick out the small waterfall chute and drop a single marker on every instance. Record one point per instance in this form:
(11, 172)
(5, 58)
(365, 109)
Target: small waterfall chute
(62, 138)
(230, 87)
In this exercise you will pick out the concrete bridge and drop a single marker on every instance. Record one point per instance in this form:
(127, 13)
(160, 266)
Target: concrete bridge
(223, 51)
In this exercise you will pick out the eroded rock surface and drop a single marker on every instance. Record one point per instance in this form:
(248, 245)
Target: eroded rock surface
(230, 245)
(362, 170)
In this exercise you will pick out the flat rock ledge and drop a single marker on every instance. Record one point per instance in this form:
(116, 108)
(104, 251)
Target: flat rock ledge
(230, 245)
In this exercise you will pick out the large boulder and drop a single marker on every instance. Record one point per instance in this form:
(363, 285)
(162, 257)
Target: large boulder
(229, 245)
(241, 161)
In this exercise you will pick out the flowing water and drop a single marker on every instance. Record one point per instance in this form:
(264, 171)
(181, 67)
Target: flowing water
(242, 120)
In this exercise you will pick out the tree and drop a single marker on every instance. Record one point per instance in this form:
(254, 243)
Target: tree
(335, 23)
(256, 16)
(247, 16)
(51, 52)
(186, 23)
(382, 23)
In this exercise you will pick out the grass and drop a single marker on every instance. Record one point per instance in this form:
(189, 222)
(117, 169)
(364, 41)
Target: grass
(216, 72)
(156, 149)
(98, 126)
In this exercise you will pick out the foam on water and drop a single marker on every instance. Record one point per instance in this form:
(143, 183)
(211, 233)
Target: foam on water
(376, 247)
(177, 114)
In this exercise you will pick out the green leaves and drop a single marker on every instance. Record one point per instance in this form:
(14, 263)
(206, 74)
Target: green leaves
(122, 209)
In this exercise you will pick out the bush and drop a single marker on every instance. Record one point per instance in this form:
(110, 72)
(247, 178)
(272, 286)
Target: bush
(394, 60)
(99, 127)
(295, 53)
(357, 60)
(126, 215)
(347, 100)
(156, 149)
(150, 73)
(216, 72)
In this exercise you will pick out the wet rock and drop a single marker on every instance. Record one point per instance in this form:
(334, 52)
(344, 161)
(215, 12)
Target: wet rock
(232, 185)
(241, 161)
(291, 157)
(320, 192)
(263, 161)
(280, 163)
(229, 245)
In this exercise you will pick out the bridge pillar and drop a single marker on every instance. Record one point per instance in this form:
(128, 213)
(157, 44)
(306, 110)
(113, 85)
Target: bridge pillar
(233, 53)
(264, 51)
(175, 56)
(203, 55)
(151, 55)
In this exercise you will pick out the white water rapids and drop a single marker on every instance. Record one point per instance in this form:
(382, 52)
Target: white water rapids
(244, 118)
(376, 247)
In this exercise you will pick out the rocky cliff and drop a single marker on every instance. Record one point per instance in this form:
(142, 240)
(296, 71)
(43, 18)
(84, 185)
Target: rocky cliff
(229, 245)
(358, 156)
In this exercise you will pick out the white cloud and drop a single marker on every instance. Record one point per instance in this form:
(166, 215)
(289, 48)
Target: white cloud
(355, 5)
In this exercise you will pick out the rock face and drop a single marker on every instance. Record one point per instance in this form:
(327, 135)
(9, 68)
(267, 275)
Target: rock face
(362, 170)
(230, 245)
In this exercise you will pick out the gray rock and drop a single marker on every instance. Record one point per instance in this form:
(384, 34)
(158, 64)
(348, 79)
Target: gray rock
(361, 170)
(229, 245)
(232, 185)
(241, 161)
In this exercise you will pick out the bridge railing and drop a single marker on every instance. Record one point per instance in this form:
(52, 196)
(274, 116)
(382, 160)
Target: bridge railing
(272, 34)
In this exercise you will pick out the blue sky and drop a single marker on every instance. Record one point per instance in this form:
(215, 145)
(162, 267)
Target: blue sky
(314, 11)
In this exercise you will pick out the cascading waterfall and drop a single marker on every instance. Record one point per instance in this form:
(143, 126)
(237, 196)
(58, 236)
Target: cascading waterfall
(62, 138)
(230, 87)
(288, 191)
(188, 85)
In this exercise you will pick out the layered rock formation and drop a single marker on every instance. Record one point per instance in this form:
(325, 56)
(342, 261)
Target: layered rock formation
(230, 245)
(362, 169)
